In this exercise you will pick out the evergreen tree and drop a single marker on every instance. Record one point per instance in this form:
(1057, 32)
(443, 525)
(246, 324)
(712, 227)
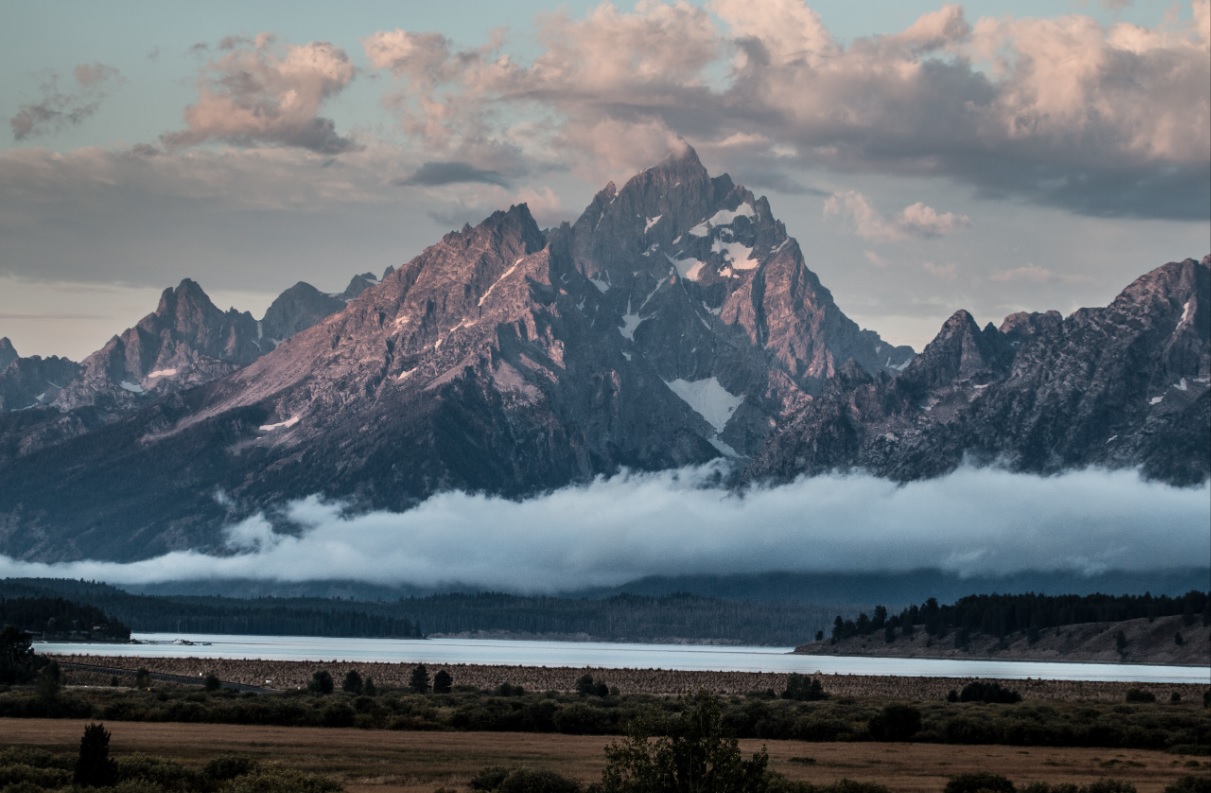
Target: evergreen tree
(352, 684)
(443, 682)
(321, 682)
(18, 662)
(419, 682)
(94, 768)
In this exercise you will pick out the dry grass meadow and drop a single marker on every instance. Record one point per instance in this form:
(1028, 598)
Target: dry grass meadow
(420, 762)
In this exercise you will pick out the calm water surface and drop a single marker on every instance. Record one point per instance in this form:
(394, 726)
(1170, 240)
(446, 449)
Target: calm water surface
(603, 655)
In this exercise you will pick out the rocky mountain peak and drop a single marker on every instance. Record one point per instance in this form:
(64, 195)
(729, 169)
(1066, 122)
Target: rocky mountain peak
(1023, 325)
(298, 308)
(8, 353)
(511, 232)
(960, 351)
(358, 284)
(187, 340)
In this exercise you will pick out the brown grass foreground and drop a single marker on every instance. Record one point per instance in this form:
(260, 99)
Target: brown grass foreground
(411, 762)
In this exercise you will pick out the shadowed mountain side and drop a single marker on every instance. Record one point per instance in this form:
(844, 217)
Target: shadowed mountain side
(1128, 385)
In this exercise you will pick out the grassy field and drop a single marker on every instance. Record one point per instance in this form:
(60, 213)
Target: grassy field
(420, 762)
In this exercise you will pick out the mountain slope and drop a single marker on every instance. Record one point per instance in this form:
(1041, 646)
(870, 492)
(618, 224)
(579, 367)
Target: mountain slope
(30, 382)
(1128, 385)
(499, 360)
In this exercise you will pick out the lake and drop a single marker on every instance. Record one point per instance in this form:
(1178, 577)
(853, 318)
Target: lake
(605, 655)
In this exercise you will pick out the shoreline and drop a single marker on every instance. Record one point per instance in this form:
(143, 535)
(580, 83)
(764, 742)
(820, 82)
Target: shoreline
(294, 675)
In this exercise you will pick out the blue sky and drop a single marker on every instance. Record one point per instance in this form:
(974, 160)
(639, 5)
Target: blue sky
(990, 156)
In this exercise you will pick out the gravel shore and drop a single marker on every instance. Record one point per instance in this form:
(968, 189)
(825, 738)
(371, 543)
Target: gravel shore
(291, 675)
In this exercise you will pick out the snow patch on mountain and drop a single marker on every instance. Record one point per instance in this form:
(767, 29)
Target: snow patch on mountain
(689, 268)
(739, 255)
(503, 276)
(630, 323)
(708, 398)
(281, 425)
(724, 217)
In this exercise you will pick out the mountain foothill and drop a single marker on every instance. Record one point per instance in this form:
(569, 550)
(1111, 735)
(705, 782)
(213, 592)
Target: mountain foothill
(672, 324)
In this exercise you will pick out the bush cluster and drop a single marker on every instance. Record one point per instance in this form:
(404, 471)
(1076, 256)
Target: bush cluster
(28, 770)
(1176, 726)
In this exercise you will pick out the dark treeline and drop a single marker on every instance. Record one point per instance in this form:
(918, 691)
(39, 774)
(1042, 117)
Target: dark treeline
(1001, 615)
(56, 617)
(620, 617)
(616, 618)
(268, 616)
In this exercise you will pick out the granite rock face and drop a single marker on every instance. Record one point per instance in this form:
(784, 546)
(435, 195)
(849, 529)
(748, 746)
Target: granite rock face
(298, 308)
(27, 383)
(186, 341)
(1127, 385)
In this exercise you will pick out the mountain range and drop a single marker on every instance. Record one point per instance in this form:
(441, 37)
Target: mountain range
(673, 323)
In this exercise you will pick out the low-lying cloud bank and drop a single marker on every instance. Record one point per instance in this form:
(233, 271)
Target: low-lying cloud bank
(974, 521)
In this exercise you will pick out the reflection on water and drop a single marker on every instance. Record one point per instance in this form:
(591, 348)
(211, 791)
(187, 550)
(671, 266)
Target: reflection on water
(603, 655)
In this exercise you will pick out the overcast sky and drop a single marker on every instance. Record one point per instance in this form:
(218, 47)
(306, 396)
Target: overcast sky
(989, 156)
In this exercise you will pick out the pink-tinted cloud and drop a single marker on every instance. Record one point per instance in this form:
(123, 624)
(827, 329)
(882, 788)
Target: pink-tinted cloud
(915, 220)
(260, 93)
(1064, 110)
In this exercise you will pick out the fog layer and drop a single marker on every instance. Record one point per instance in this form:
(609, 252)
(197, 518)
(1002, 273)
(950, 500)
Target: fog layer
(974, 521)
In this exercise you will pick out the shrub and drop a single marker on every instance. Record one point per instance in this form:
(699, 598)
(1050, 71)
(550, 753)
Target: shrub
(1191, 784)
(586, 686)
(801, 688)
(1110, 786)
(229, 767)
(165, 774)
(979, 783)
(1140, 695)
(896, 722)
(352, 684)
(443, 682)
(694, 754)
(12, 774)
(321, 682)
(988, 691)
(523, 780)
(508, 690)
(280, 780)
(488, 778)
(338, 714)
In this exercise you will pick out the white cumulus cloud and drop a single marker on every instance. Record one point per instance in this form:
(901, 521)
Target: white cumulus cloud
(915, 220)
(258, 92)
